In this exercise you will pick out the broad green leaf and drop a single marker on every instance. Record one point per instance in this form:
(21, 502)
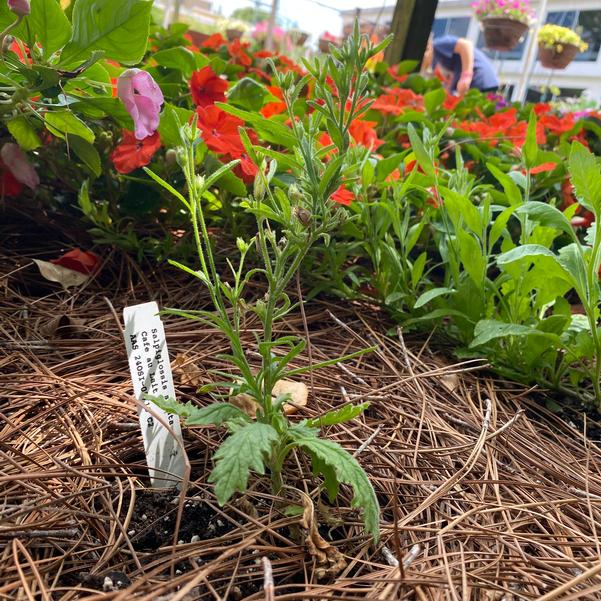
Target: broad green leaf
(420, 152)
(86, 152)
(176, 58)
(526, 251)
(472, 257)
(24, 132)
(248, 94)
(347, 470)
(338, 416)
(547, 215)
(499, 226)
(514, 196)
(586, 177)
(434, 99)
(572, 261)
(118, 27)
(63, 122)
(530, 149)
(426, 297)
(46, 24)
(491, 329)
(417, 271)
(243, 451)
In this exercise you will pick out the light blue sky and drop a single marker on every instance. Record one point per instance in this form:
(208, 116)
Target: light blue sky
(310, 15)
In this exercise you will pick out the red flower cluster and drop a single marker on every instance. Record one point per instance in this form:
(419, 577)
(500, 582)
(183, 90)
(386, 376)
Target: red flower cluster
(206, 87)
(364, 134)
(343, 196)
(274, 108)
(397, 101)
(132, 154)
(220, 133)
(237, 50)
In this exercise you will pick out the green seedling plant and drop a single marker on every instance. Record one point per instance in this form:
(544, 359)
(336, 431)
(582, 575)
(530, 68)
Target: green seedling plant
(288, 223)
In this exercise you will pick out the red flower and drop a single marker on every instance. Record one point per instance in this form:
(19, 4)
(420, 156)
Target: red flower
(397, 100)
(451, 102)
(394, 73)
(9, 184)
(264, 54)
(246, 170)
(274, 108)
(206, 87)
(364, 133)
(541, 108)
(544, 168)
(131, 154)
(558, 125)
(434, 199)
(220, 130)
(343, 196)
(79, 260)
(214, 42)
(237, 50)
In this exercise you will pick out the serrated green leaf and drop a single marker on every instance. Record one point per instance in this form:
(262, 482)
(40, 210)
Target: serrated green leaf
(243, 451)
(118, 27)
(347, 470)
(248, 94)
(214, 414)
(338, 416)
(176, 58)
(526, 251)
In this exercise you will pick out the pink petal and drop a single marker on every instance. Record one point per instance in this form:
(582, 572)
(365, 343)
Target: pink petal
(16, 160)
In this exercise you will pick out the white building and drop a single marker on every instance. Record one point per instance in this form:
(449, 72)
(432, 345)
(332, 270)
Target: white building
(582, 76)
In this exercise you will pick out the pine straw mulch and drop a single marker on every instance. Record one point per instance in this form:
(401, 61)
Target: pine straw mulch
(484, 494)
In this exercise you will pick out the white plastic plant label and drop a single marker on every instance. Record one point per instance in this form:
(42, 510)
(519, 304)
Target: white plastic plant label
(151, 374)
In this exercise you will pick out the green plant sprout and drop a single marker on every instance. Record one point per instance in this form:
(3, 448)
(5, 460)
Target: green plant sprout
(288, 223)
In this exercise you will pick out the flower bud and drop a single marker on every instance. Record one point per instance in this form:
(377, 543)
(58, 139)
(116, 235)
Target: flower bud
(242, 245)
(303, 216)
(259, 187)
(19, 7)
(171, 157)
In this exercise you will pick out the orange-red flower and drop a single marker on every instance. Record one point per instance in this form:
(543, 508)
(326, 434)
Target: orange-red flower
(364, 133)
(274, 108)
(206, 87)
(397, 101)
(131, 154)
(343, 196)
(237, 50)
(78, 260)
(214, 42)
(558, 125)
(543, 168)
(220, 130)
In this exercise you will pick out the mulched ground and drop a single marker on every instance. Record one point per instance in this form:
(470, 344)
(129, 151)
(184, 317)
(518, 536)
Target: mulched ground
(485, 494)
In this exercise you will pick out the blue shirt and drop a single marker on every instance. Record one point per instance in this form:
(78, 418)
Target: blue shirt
(484, 77)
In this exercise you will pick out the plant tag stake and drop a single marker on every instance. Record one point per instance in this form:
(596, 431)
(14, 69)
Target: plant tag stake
(151, 374)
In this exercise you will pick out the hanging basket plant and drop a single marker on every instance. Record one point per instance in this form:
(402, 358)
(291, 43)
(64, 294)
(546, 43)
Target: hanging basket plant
(325, 40)
(558, 46)
(504, 23)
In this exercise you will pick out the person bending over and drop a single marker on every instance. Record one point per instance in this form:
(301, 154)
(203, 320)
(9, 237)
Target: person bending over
(460, 64)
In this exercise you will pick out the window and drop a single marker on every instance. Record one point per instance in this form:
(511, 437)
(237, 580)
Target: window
(587, 23)
(512, 55)
(456, 26)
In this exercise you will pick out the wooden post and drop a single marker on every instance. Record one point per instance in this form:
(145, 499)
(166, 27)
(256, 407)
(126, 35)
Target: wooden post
(411, 26)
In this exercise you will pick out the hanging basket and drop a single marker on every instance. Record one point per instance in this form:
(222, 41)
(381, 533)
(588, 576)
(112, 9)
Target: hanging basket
(324, 45)
(552, 58)
(233, 34)
(503, 34)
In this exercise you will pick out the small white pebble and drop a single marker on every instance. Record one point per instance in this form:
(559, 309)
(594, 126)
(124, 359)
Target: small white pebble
(131, 532)
(219, 523)
(144, 517)
(178, 572)
(195, 539)
(166, 518)
(181, 542)
(107, 585)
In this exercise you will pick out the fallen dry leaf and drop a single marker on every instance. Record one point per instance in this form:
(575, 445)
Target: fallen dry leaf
(298, 392)
(189, 373)
(63, 275)
(450, 382)
(330, 560)
(61, 326)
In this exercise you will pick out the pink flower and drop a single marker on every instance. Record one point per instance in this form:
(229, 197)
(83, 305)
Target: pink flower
(16, 161)
(142, 98)
(19, 7)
